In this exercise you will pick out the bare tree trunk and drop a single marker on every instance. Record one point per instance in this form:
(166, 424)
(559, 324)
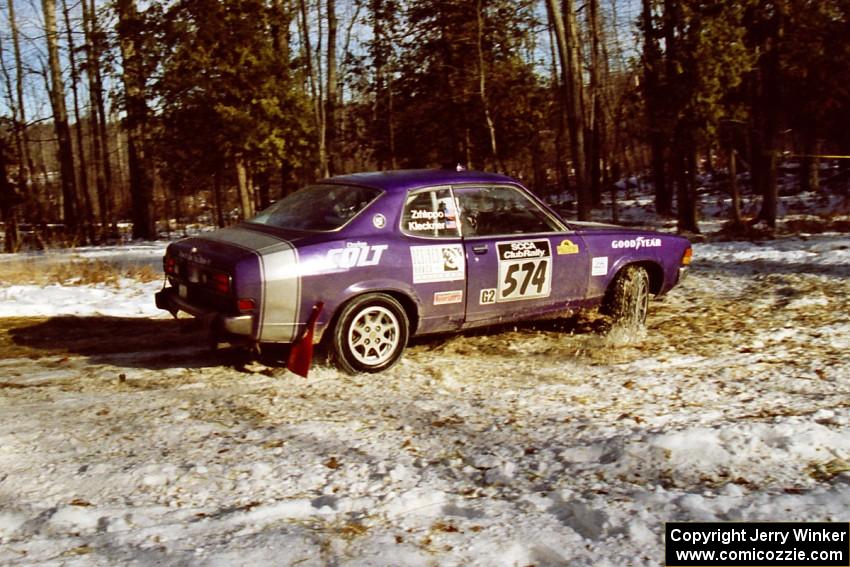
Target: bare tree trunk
(482, 86)
(575, 110)
(733, 187)
(100, 156)
(560, 156)
(103, 119)
(597, 118)
(141, 175)
(567, 39)
(243, 185)
(383, 126)
(87, 211)
(685, 166)
(60, 120)
(651, 93)
(391, 123)
(810, 163)
(217, 198)
(27, 168)
(770, 95)
(280, 31)
(318, 114)
(8, 205)
(331, 93)
(378, 63)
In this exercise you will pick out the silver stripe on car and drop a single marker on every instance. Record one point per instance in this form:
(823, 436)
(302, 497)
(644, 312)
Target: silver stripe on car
(281, 291)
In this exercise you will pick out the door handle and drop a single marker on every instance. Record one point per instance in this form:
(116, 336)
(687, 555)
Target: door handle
(480, 249)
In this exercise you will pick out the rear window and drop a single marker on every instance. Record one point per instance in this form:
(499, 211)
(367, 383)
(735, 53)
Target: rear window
(320, 207)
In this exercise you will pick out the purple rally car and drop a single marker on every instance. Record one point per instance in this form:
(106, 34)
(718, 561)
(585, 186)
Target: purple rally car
(365, 261)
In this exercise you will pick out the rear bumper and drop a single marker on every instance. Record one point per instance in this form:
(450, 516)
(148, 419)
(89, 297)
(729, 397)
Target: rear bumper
(169, 300)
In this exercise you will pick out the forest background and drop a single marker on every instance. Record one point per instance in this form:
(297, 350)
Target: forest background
(164, 113)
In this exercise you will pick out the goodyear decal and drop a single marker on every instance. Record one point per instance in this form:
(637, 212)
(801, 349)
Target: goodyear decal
(637, 243)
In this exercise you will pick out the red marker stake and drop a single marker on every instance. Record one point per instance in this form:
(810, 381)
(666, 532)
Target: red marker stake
(301, 353)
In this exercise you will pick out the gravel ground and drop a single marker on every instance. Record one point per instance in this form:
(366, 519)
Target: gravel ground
(122, 441)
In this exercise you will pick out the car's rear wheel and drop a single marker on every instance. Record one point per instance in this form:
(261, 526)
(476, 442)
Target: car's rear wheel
(627, 300)
(370, 334)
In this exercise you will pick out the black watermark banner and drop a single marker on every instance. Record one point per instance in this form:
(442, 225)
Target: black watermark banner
(757, 544)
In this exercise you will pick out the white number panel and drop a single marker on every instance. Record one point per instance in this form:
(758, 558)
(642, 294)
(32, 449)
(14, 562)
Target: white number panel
(525, 270)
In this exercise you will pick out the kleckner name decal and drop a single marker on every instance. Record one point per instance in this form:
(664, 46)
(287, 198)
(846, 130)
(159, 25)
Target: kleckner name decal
(637, 243)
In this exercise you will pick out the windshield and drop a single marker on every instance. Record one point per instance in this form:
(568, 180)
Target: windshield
(317, 207)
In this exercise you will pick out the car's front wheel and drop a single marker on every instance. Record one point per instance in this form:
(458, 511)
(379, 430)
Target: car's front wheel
(627, 300)
(370, 334)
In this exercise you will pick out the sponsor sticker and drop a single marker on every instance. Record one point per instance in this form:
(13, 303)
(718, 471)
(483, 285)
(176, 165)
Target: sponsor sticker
(599, 266)
(448, 297)
(379, 221)
(439, 263)
(525, 270)
(356, 254)
(567, 247)
(637, 243)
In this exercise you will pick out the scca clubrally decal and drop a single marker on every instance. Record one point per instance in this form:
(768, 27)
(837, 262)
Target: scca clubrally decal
(525, 269)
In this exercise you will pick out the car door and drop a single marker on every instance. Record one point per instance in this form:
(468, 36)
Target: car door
(438, 268)
(521, 261)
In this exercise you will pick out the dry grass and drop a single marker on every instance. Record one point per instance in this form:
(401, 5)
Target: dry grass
(75, 271)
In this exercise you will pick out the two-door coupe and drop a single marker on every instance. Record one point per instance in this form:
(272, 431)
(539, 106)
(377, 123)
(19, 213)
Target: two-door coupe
(366, 261)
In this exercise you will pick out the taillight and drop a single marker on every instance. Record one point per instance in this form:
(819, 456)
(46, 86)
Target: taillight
(686, 258)
(169, 264)
(245, 304)
(221, 282)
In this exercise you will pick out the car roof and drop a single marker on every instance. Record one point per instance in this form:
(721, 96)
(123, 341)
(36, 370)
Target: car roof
(406, 179)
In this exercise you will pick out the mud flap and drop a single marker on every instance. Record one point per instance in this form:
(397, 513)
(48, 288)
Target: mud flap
(301, 354)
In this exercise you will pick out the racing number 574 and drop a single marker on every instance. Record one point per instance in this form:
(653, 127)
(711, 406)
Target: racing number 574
(534, 273)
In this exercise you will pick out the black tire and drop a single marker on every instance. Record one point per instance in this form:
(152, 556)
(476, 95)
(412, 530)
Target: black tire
(627, 300)
(370, 334)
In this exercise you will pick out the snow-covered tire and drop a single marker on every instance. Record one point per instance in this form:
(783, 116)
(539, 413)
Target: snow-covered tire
(370, 334)
(627, 300)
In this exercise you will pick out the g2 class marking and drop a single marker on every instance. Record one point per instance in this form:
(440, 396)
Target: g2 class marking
(487, 296)
(525, 270)
(356, 254)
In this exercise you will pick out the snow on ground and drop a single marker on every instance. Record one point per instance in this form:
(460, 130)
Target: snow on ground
(123, 441)
(124, 297)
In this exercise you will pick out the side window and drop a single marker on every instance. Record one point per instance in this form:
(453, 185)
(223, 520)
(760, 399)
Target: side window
(430, 213)
(490, 211)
